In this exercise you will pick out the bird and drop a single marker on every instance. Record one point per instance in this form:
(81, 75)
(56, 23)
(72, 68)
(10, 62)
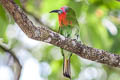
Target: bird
(69, 28)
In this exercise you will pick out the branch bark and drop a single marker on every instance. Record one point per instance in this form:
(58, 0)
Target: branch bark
(42, 33)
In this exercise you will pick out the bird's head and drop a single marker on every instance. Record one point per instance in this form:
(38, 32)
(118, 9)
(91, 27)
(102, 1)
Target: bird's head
(66, 16)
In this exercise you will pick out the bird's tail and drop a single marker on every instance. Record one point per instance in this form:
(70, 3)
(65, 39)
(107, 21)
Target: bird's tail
(66, 68)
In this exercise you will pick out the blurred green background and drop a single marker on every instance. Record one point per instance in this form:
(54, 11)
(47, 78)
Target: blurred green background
(99, 22)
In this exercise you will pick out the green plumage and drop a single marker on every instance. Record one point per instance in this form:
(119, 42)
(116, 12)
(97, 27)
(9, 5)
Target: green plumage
(69, 28)
(70, 31)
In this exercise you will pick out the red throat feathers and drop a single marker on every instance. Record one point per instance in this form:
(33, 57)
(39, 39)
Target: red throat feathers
(63, 18)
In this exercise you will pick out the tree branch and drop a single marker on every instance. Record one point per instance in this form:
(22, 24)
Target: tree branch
(14, 57)
(41, 33)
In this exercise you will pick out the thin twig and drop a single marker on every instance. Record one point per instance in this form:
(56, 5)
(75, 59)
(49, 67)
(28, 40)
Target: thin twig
(14, 57)
(37, 19)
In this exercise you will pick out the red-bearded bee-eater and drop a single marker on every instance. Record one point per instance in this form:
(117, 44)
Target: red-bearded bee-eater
(68, 27)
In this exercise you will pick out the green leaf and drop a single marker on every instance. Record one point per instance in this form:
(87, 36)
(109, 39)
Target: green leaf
(3, 24)
(18, 2)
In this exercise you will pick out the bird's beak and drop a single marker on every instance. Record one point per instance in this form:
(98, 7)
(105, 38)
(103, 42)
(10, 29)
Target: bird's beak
(54, 11)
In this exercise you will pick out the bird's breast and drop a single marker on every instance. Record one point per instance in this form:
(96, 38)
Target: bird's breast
(63, 21)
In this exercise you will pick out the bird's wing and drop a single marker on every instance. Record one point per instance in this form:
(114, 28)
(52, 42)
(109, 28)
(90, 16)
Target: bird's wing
(75, 33)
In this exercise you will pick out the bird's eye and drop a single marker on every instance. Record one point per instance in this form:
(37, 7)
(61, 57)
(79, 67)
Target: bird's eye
(66, 10)
(60, 11)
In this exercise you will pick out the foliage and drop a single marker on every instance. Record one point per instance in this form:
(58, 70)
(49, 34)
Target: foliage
(3, 23)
